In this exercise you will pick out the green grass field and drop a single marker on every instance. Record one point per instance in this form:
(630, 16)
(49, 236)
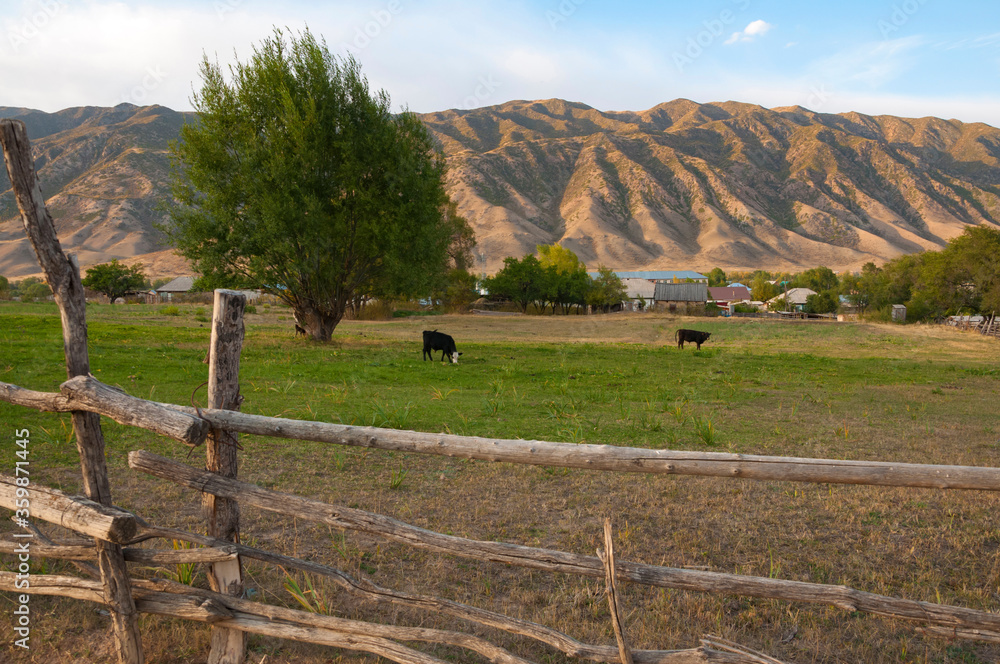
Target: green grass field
(896, 393)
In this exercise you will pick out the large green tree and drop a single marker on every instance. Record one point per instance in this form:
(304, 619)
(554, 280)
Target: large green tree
(115, 279)
(522, 281)
(297, 179)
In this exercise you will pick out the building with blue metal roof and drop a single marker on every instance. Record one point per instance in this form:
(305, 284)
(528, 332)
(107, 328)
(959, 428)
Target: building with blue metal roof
(659, 275)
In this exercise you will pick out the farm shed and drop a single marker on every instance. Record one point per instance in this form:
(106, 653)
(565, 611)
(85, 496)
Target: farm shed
(898, 313)
(175, 287)
(685, 298)
(638, 289)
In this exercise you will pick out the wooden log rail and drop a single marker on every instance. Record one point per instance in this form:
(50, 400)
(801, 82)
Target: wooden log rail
(543, 453)
(86, 393)
(842, 597)
(223, 611)
(103, 522)
(132, 554)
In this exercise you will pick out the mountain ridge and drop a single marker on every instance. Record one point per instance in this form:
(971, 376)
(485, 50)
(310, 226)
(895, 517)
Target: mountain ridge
(682, 185)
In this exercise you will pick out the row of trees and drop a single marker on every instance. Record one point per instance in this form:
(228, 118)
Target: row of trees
(29, 289)
(113, 279)
(962, 278)
(555, 279)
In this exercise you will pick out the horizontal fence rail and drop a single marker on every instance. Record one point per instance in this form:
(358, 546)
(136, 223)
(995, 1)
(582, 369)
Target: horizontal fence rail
(74, 512)
(842, 597)
(536, 452)
(172, 599)
(167, 598)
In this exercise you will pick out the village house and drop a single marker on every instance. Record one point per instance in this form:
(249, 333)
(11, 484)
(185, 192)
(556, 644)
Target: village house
(796, 298)
(726, 296)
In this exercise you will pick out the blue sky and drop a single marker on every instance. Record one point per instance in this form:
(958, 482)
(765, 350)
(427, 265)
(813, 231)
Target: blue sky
(902, 57)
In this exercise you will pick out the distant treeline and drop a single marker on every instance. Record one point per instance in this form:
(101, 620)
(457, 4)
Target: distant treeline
(556, 279)
(962, 278)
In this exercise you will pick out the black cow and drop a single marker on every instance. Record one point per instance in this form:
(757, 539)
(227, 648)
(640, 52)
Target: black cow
(694, 336)
(434, 340)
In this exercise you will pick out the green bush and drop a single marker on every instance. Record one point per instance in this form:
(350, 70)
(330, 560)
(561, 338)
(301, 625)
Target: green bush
(170, 310)
(36, 291)
(251, 309)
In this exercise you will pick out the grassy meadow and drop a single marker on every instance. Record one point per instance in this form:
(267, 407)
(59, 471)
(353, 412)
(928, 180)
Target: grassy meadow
(922, 394)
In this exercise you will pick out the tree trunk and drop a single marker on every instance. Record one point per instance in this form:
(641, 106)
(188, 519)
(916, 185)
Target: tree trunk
(318, 325)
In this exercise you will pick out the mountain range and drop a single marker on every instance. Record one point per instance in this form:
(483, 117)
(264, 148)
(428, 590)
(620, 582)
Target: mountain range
(682, 185)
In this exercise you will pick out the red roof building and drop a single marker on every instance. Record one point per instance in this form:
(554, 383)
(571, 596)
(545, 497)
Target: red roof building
(723, 295)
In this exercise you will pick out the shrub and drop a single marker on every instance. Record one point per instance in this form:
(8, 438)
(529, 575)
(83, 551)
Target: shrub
(170, 310)
(36, 291)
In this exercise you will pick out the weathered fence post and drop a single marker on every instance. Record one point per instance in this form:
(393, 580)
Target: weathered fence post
(223, 514)
(63, 276)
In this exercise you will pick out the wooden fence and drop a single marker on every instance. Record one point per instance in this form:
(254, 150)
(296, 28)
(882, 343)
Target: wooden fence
(116, 532)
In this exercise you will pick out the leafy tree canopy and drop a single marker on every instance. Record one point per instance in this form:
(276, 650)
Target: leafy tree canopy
(115, 279)
(562, 259)
(520, 281)
(761, 289)
(607, 290)
(297, 179)
(826, 302)
(716, 277)
(818, 279)
(32, 289)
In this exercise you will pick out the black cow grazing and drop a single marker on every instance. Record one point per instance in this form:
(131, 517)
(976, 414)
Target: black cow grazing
(299, 330)
(694, 336)
(434, 340)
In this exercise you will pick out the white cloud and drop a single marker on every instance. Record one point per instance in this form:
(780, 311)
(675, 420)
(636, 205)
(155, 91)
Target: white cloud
(984, 41)
(874, 64)
(754, 29)
(441, 54)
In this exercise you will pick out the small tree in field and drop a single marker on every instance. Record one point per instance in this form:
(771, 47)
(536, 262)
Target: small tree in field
(521, 281)
(297, 179)
(114, 279)
(607, 290)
